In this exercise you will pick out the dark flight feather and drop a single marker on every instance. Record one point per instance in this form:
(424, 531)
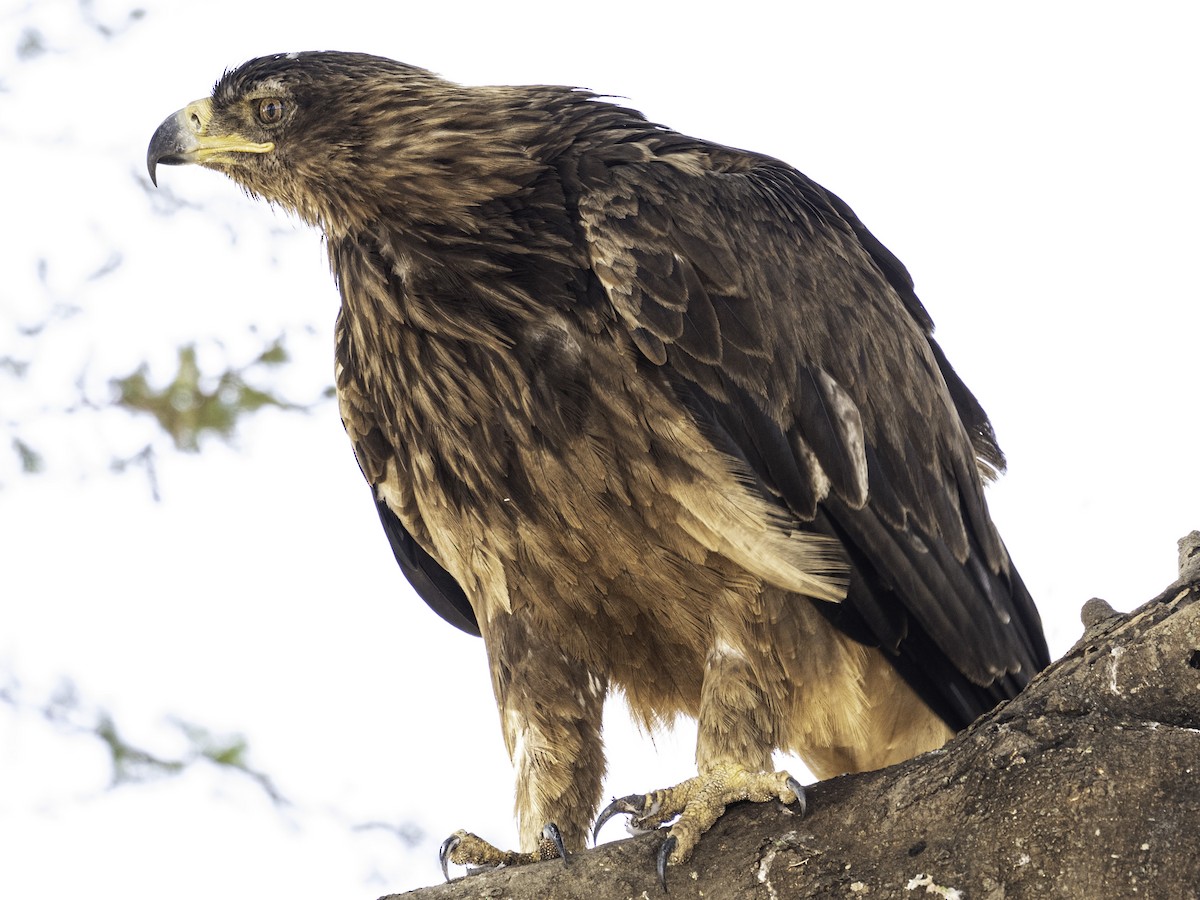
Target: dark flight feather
(433, 583)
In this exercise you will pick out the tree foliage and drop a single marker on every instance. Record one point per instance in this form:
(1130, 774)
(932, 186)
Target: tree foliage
(50, 380)
(194, 404)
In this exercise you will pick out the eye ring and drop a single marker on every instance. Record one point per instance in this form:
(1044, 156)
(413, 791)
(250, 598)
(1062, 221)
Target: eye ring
(270, 110)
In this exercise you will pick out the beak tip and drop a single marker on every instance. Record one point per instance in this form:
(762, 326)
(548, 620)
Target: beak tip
(170, 140)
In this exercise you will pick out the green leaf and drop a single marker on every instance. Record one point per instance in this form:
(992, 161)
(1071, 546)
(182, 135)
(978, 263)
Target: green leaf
(31, 461)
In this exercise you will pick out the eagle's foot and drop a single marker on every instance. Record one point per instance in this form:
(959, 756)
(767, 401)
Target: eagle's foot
(698, 803)
(466, 849)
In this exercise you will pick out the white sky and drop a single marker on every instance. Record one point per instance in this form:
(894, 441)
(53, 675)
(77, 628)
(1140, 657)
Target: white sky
(1033, 164)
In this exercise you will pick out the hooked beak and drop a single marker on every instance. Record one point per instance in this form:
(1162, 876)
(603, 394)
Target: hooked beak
(185, 138)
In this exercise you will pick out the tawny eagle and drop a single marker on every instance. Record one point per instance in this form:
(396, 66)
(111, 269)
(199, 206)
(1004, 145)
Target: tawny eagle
(649, 414)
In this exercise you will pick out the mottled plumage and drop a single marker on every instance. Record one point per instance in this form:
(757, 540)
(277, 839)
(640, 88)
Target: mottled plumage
(648, 413)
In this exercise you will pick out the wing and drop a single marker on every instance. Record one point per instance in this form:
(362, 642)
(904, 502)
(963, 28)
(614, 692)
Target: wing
(794, 339)
(433, 584)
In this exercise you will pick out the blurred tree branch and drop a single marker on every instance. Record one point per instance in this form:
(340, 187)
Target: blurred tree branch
(69, 713)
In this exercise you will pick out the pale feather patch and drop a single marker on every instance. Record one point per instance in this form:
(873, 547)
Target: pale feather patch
(489, 575)
(727, 517)
(389, 491)
(723, 650)
(596, 687)
(859, 716)
(471, 561)
(816, 473)
(745, 530)
(516, 733)
(849, 421)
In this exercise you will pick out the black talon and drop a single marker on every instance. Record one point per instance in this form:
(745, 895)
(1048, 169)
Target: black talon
(633, 805)
(798, 789)
(554, 836)
(664, 852)
(444, 852)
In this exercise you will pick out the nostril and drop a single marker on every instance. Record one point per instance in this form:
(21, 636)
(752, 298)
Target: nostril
(195, 121)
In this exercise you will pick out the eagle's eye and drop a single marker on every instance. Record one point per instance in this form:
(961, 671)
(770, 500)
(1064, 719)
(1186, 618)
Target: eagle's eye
(270, 111)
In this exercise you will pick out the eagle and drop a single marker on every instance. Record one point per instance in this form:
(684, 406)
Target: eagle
(649, 414)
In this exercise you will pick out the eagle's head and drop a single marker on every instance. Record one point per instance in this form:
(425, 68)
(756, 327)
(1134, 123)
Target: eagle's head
(347, 139)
